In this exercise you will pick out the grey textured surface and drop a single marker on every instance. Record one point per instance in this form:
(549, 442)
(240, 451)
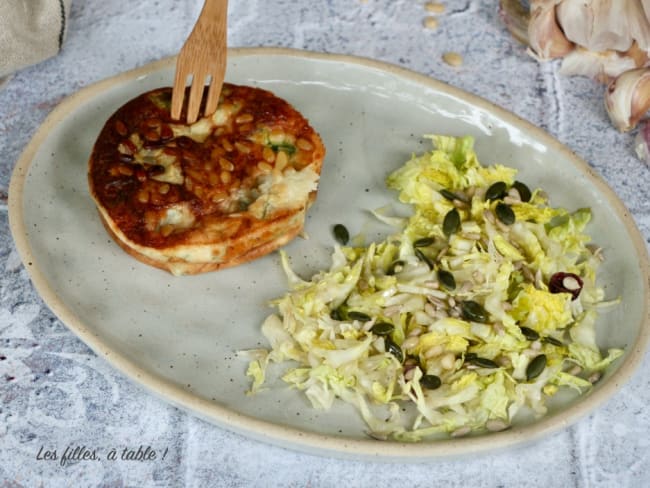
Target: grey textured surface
(54, 392)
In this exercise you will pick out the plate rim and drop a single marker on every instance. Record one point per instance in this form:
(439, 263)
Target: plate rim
(293, 437)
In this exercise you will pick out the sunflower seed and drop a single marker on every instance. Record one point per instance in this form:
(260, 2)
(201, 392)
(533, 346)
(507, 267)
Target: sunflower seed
(504, 213)
(341, 234)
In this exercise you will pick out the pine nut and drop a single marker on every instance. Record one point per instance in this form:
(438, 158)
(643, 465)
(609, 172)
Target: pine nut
(125, 170)
(452, 58)
(304, 144)
(244, 118)
(268, 154)
(126, 147)
(276, 136)
(152, 135)
(264, 166)
(143, 196)
(225, 177)
(226, 165)
(430, 23)
(121, 129)
(242, 148)
(281, 160)
(164, 189)
(226, 145)
(153, 123)
(434, 7)
(194, 174)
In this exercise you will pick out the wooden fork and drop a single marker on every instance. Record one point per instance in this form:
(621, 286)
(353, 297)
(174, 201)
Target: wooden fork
(203, 56)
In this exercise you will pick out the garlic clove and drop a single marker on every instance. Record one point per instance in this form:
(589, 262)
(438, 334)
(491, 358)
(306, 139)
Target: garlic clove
(639, 24)
(545, 37)
(515, 17)
(600, 25)
(628, 98)
(597, 25)
(602, 66)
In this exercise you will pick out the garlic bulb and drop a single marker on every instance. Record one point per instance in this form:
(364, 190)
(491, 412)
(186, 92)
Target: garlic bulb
(545, 36)
(596, 38)
(607, 40)
(628, 98)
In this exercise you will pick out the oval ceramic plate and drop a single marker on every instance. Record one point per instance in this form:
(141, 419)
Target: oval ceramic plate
(178, 336)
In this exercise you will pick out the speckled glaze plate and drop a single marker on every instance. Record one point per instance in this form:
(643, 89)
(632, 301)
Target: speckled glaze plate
(178, 336)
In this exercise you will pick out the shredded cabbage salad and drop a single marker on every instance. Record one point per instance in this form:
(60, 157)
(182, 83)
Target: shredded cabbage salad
(482, 304)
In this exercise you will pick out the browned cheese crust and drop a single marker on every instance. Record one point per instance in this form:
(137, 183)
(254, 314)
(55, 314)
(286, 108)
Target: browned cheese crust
(194, 198)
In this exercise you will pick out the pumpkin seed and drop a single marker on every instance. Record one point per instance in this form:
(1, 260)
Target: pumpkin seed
(529, 334)
(496, 191)
(553, 341)
(504, 213)
(451, 223)
(392, 347)
(447, 279)
(336, 314)
(395, 267)
(483, 362)
(424, 242)
(423, 257)
(535, 367)
(430, 382)
(523, 190)
(360, 316)
(472, 310)
(341, 234)
(382, 328)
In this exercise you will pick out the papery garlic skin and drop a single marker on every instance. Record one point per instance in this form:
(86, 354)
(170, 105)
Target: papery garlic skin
(545, 37)
(642, 142)
(628, 98)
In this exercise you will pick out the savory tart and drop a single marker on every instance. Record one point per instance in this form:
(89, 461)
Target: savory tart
(220, 192)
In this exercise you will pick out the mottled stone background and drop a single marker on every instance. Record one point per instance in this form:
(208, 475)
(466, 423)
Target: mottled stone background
(55, 392)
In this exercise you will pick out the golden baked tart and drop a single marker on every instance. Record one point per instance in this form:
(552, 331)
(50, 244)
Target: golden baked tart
(220, 192)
